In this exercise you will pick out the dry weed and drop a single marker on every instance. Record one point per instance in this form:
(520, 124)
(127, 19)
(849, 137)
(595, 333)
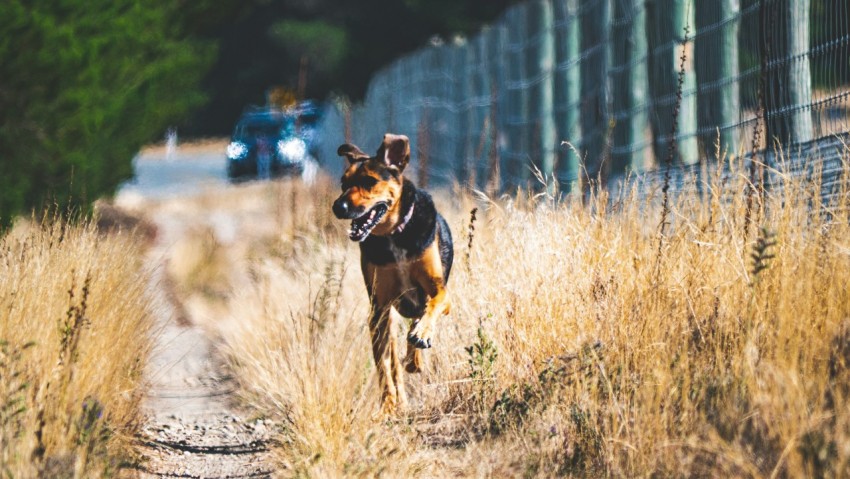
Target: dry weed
(74, 338)
(576, 346)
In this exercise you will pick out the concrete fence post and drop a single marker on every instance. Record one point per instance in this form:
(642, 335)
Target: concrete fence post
(515, 155)
(595, 35)
(666, 22)
(789, 81)
(541, 77)
(567, 90)
(496, 69)
(629, 86)
(716, 67)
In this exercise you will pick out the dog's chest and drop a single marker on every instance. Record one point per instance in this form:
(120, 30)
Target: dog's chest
(385, 250)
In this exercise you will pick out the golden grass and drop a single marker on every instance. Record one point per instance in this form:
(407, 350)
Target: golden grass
(581, 342)
(189, 148)
(74, 338)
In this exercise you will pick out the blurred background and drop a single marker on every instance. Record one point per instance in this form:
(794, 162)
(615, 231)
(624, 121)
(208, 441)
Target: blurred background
(85, 84)
(492, 93)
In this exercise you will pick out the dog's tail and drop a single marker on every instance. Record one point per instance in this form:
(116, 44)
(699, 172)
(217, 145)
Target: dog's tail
(414, 362)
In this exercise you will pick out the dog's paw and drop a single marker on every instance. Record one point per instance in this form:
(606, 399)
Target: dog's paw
(412, 367)
(389, 407)
(419, 342)
(420, 335)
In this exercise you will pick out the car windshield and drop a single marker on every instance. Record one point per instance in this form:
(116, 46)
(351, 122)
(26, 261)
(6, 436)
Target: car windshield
(266, 128)
(309, 119)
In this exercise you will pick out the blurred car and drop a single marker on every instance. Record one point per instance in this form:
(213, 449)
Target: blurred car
(270, 143)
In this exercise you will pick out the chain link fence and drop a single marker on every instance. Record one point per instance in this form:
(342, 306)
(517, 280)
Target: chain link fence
(599, 88)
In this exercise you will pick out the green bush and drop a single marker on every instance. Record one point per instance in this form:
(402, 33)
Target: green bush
(82, 86)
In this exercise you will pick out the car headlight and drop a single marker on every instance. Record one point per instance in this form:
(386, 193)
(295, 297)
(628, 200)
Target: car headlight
(294, 149)
(236, 150)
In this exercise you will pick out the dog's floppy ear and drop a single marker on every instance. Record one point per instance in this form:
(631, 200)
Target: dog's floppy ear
(351, 152)
(395, 151)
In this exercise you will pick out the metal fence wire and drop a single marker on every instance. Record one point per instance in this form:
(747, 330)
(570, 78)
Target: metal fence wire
(591, 87)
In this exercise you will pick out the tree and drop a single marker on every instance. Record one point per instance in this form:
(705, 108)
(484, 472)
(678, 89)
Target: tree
(318, 47)
(83, 85)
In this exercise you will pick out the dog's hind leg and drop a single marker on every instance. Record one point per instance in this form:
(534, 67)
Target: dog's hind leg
(414, 361)
(384, 350)
(398, 372)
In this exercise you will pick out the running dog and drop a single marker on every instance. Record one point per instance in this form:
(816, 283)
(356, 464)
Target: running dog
(405, 255)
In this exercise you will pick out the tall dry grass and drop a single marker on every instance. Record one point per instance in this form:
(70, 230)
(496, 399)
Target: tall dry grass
(582, 342)
(74, 337)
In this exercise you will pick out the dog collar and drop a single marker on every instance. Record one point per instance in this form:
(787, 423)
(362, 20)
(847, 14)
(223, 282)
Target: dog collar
(400, 227)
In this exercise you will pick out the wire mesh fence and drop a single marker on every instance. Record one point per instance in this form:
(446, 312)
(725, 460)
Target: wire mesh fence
(600, 88)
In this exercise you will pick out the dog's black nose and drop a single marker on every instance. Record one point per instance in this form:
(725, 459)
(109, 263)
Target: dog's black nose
(341, 208)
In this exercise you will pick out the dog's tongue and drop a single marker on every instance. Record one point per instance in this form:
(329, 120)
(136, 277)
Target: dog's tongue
(359, 231)
(356, 233)
(362, 226)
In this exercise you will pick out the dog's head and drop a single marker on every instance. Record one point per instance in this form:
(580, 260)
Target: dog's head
(371, 186)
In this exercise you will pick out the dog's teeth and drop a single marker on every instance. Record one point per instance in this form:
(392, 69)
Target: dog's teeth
(372, 214)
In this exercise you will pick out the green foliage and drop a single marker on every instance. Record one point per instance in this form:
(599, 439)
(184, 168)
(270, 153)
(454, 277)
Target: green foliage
(482, 357)
(322, 44)
(92, 433)
(761, 254)
(515, 403)
(83, 86)
(482, 361)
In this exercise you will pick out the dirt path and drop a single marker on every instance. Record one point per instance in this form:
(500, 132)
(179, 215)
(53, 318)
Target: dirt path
(193, 428)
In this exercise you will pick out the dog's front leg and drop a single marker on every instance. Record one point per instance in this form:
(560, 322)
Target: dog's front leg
(385, 352)
(428, 274)
(422, 330)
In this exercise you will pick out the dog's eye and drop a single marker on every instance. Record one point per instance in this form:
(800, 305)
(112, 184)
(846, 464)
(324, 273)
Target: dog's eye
(367, 183)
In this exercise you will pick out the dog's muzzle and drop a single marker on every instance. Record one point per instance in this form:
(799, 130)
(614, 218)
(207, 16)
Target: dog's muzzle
(342, 209)
(362, 221)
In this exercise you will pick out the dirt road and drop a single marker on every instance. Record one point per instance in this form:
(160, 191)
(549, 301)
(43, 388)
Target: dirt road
(193, 428)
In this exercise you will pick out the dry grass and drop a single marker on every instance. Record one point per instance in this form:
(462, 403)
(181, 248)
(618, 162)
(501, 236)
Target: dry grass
(581, 342)
(74, 338)
(189, 149)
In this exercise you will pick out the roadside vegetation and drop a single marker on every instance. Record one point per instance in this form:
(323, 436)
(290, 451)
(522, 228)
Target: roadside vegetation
(586, 339)
(74, 338)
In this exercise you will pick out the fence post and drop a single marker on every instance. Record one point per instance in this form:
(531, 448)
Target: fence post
(799, 71)
(461, 131)
(444, 141)
(479, 118)
(408, 98)
(541, 34)
(567, 90)
(717, 72)
(629, 86)
(415, 107)
(786, 27)
(666, 22)
(595, 34)
(516, 114)
(429, 66)
(496, 39)
(393, 83)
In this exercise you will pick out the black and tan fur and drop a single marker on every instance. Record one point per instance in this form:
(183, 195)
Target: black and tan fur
(405, 255)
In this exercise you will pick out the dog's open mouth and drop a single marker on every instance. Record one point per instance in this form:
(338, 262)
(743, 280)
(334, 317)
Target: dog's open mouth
(365, 223)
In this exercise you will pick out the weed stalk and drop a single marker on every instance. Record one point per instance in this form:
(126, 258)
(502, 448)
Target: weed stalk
(672, 148)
